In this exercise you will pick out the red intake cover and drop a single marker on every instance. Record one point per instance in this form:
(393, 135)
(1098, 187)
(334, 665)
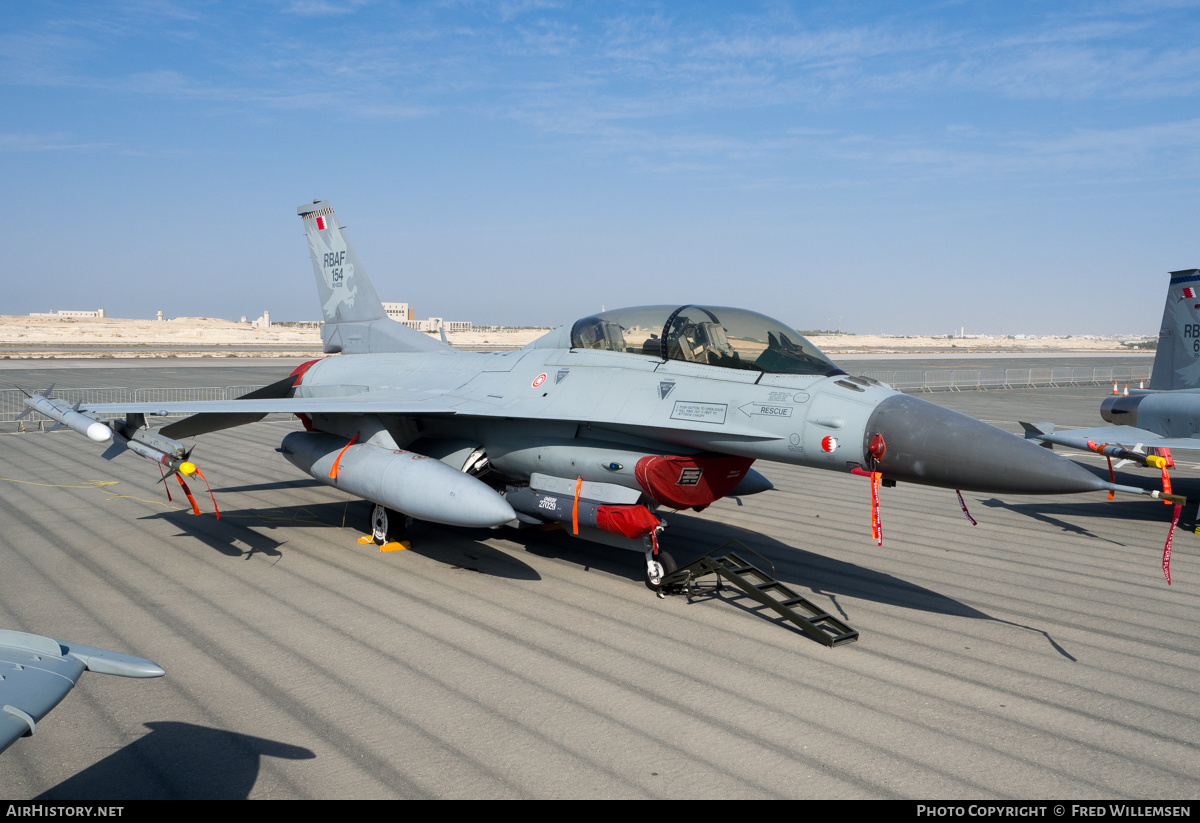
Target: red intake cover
(690, 482)
(298, 372)
(627, 521)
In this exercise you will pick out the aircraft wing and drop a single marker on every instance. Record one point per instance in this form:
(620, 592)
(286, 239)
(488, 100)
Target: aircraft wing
(1127, 436)
(376, 402)
(361, 403)
(37, 672)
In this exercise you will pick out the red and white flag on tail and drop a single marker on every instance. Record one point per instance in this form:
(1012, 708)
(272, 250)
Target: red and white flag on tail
(1188, 292)
(322, 225)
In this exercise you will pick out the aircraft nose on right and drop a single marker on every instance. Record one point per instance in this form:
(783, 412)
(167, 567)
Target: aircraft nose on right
(922, 442)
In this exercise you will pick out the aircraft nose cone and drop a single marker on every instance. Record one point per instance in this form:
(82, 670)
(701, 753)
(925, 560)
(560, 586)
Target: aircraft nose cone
(925, 443)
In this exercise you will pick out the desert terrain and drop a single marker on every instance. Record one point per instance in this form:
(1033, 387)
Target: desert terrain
(28, 337)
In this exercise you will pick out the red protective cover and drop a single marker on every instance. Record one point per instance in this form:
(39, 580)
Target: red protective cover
(298, 373)
(690, 482)
(627, 521)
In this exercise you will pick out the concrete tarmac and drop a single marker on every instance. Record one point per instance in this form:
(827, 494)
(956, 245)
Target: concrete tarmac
(1038, 655)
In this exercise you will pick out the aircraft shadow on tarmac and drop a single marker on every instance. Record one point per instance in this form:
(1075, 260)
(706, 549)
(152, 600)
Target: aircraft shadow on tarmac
(278, 485)
(823, 576)
(177, 761)
(832, 578)
(1127, 508)
(240, 533)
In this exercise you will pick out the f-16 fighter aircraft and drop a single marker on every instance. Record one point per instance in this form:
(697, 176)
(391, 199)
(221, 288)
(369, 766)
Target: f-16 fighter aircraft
(1165, 416)
(37, 672)
(600, 426)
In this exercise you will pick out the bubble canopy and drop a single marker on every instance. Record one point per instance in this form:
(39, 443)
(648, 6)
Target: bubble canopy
(711, 335)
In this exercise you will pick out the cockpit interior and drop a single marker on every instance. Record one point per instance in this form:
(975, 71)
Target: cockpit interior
(710, 335)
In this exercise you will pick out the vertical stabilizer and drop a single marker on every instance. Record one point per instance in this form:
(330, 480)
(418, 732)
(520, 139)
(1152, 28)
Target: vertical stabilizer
(1177, 360)
(355, 322)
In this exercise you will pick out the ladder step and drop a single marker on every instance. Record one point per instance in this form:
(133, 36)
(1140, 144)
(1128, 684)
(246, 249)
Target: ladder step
(818, 625)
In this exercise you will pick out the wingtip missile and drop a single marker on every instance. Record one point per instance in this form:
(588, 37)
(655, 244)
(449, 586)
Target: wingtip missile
(71, 417)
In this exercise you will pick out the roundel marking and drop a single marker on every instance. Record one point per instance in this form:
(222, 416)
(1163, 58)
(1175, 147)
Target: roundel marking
(539, 380)
(829, 443)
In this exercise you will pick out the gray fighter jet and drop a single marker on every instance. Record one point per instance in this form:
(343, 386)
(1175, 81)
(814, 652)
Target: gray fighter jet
(601, 425)
(37, 672)
(1165, 416)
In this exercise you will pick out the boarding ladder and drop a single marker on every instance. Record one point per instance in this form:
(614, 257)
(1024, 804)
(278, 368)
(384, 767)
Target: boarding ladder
(759, 585)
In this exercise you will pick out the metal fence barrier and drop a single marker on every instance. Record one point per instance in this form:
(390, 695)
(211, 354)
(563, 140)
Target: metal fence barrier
(910, 380)
(1031, 378)
(11, 404)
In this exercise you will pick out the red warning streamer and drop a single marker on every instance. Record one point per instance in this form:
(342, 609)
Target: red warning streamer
(575, 508)
(334, 470)
(963, 505)
(166, 486)
(876, 525)
(188, 492)
(210, 493)
(1170, 540)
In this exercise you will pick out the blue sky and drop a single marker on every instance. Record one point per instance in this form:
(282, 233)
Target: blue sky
(910, 168)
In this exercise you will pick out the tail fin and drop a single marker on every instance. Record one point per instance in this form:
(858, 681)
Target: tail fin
(355, 322)
(1177, 360)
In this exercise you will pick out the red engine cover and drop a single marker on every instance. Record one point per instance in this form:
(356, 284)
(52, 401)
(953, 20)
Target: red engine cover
(690, 482)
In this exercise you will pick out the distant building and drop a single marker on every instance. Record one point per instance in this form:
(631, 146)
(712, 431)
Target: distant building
(62, 313)
(435, 323)
(263, 322)
(398, 311)
(403, 313)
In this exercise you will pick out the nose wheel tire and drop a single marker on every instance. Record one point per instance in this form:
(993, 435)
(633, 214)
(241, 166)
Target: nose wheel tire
(658, 568)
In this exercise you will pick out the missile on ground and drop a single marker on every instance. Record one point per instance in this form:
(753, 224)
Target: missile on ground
(408, 482)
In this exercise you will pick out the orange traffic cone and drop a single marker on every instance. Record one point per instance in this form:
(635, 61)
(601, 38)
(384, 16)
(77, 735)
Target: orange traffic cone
(1126, 389)
(1115, 387)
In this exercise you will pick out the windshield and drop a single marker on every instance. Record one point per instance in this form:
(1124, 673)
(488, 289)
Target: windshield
(711, 335)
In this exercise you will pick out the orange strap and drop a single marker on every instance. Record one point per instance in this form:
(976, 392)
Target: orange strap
(334, 471)
(1112, 477)
(575, 508)
(1166, 484)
